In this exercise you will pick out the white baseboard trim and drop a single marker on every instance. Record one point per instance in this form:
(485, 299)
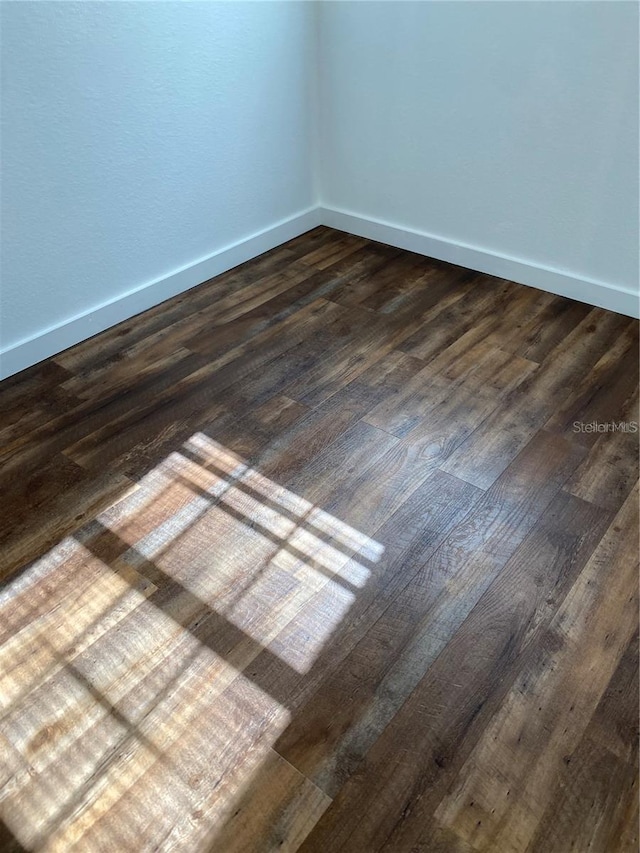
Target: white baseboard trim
(597, 293)
(58, 338)
(54, 340)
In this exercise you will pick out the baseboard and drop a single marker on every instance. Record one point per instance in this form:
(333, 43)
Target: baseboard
(597, 293)
(60, 337)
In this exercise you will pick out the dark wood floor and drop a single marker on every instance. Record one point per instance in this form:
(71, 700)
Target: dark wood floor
(313, 557)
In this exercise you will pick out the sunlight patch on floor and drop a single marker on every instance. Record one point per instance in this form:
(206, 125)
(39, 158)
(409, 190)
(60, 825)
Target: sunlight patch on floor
(129, 719)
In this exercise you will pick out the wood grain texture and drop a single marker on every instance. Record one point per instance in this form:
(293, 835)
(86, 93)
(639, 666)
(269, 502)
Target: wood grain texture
(313, 557)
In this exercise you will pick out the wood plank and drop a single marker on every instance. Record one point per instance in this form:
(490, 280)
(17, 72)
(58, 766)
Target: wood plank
(466, 366)
(31, 496)
(342, 246)
(599, 778)
(38, 397)
(177, 799)
(386, 283)
(102, 679)
(58, 517)
(276, 812)
(289, 451)
(100, 349)
(551, 703)
(491, 447)
(304, 569)
(27, 452)
(428, 443)
(356, 267)
(195, 391)
(408, 769)
(25, 386)
(407, 538)
(193, 377)
(609, 472)
(331, 735)
(26, 419)
(537, 339)
(247, 431)
(605, 392)
(444, 327)
(615, 721)
(584, 813)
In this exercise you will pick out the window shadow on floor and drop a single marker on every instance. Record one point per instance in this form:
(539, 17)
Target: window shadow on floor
(8, 842)
(269, 681)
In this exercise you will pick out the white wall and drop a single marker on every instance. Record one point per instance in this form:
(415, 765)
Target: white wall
(147, 146)
(511, 127)
(139, 138)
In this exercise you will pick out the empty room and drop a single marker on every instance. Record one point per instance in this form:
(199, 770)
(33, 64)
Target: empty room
(319, 426)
